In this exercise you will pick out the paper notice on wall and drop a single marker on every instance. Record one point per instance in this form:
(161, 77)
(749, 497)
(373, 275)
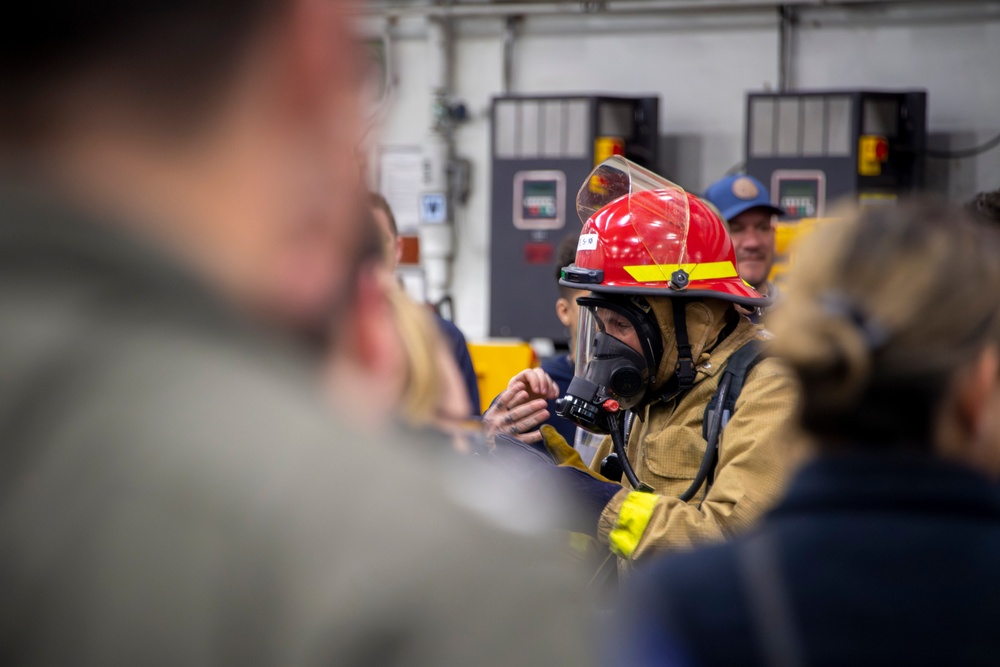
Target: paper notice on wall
(401, 172)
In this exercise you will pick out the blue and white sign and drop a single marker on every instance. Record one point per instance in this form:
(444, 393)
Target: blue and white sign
(433, 208)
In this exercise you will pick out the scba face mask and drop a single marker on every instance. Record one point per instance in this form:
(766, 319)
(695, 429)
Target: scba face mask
(618, 351)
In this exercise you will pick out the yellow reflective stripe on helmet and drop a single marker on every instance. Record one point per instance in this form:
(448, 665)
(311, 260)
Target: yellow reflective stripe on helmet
(651, 273)
(633, 518)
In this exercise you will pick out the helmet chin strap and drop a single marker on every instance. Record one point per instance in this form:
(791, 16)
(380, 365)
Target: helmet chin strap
(685, 363)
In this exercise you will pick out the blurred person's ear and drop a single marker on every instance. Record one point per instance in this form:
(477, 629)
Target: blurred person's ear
(399, 250)
(564, 311)
(977, 390)
(983, 397)
(970, 422)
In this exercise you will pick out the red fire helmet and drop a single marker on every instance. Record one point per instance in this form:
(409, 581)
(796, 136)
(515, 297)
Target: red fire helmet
(643, 234)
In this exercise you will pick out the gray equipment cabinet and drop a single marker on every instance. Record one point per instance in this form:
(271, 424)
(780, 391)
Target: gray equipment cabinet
(543, 148)
(813, 148)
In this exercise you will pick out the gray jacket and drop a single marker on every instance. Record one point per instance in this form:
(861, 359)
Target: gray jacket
(173, 491)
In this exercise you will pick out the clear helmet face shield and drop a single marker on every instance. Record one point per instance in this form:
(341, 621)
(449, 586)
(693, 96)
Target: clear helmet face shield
(615, 357)
(656, 211)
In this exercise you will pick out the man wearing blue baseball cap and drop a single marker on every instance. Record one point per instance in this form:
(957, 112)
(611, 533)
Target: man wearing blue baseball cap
(744, 203)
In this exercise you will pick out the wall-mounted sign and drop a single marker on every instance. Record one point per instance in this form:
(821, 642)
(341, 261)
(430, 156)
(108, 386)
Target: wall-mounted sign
(433, 208)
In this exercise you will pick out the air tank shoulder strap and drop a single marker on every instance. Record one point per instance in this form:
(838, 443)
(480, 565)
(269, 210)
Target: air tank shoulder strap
(737, 368)
(718, 411)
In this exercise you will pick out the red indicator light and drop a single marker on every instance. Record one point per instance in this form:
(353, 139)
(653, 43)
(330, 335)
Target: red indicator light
(881, 150)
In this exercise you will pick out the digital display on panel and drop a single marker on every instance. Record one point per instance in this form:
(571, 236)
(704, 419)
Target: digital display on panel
(801, 193)
(539, 199)
(798, 198)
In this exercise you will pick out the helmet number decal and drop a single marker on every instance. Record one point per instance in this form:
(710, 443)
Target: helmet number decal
(587, 242)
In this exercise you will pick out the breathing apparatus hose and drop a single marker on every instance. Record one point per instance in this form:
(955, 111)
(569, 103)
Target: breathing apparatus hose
(714, 429)
(619, 446)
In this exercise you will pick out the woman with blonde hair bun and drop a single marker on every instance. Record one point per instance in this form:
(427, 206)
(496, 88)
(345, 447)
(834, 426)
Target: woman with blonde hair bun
(883, 313)
(885, 547)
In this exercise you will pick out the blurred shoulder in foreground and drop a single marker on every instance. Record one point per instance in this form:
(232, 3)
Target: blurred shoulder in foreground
(178, 227)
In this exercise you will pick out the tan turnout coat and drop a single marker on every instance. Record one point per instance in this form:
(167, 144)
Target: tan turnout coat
(666, 447)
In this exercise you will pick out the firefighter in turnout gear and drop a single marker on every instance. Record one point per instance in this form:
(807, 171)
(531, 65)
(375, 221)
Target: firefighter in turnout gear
(708, 444)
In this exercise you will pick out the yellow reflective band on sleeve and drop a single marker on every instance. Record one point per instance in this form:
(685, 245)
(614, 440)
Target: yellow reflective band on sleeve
(633, 518)
(652, 273)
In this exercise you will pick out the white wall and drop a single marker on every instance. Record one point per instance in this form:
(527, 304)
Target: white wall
(702, 66)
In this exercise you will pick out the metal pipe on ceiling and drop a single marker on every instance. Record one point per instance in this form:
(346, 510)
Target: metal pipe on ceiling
(509, 36)
(505, 9)
(786, 47)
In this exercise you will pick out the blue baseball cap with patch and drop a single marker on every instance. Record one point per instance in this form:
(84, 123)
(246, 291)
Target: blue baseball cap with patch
(735, 194)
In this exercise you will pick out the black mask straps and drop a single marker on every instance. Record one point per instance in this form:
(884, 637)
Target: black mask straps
(684, 370)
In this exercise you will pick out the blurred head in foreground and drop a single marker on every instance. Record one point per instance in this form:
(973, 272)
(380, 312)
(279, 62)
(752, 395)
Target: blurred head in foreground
(225, 132)
(174, 489)
(892, 324)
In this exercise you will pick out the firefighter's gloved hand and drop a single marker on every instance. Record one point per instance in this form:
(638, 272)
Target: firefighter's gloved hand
(564, 455)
